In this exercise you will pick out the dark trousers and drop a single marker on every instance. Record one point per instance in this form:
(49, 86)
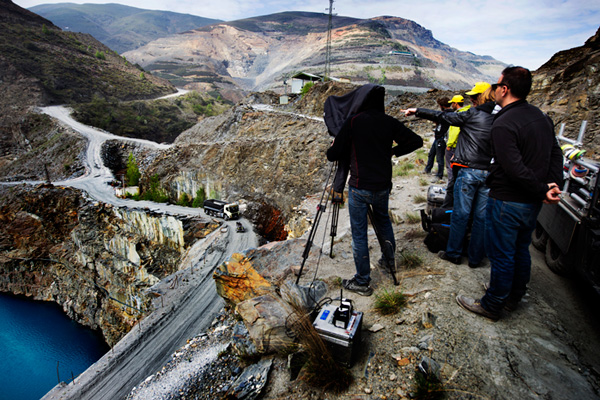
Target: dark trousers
(508, 229)
(437, 151)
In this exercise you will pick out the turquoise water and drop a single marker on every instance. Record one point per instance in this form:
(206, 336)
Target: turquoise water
(35, 337)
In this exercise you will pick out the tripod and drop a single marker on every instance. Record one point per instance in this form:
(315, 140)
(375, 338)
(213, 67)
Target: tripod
(337, 199)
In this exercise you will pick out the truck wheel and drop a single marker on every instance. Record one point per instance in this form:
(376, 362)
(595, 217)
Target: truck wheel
(539, 238)
(556, 260)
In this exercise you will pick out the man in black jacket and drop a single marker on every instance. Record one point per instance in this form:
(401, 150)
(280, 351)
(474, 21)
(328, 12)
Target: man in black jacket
(471, 162)
(366, 139)
(526, 171)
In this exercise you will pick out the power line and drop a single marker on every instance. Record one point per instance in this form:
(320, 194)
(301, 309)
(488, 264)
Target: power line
(328, 45)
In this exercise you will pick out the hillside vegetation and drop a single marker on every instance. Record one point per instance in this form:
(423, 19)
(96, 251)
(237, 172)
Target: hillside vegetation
(119, 27)
(71, 67)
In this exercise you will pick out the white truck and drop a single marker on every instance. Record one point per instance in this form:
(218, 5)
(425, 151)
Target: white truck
(221, 209)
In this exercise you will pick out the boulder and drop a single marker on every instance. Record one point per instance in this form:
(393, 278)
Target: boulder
(237, 280)
(266, 317)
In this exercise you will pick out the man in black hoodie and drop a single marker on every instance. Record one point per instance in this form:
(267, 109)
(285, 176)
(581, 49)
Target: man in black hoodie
(526, 171)
(366, 140)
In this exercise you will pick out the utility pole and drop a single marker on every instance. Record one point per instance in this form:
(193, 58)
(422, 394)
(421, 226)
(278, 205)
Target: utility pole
(328, 45)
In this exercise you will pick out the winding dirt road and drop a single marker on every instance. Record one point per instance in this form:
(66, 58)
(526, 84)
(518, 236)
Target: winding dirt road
(186, 302)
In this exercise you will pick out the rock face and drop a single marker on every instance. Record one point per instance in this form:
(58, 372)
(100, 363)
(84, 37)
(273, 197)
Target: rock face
(567, 87)
(93, 259)
(269, 159)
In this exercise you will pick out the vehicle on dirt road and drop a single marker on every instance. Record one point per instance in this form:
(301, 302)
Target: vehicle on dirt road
(221, 209)
(239, 227)
(569, 232)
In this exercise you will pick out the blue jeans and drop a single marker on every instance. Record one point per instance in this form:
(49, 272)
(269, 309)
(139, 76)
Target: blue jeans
(470, 193)
(508, 230)
(358, 203)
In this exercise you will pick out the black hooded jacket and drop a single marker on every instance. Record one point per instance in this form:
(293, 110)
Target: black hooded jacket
(366, 140)
(474, 143)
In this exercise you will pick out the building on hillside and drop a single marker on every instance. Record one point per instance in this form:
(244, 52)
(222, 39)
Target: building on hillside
(301, 79)
(123, 192)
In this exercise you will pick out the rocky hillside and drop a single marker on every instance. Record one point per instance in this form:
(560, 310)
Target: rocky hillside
(42, 65)
(568, 88)
(260, 53)
(93, 259)
(119, 27)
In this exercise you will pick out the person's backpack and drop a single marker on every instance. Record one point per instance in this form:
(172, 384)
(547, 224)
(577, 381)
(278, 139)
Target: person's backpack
(437, 227)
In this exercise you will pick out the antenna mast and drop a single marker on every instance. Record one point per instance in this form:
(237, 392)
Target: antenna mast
(328, 45)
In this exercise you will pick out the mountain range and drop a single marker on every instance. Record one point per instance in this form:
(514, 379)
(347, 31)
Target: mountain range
(263, 52)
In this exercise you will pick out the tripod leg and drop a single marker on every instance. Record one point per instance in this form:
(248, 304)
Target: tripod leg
(334, 222)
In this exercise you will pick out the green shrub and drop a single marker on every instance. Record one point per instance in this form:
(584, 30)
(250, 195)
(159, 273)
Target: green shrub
(199, 199)
(306, 88)
(100, 55)
(155, 192)
(184, 200)
(133, 175)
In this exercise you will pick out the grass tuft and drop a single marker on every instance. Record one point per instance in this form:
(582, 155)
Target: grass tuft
(413, 218)
(411, 260)
(389, 301)
(420, 199)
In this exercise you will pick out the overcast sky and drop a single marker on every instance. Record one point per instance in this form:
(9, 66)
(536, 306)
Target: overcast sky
(518, 32)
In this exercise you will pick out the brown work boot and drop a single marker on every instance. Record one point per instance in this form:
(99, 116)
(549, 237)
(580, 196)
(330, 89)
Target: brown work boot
(510, 305)
(475, 306)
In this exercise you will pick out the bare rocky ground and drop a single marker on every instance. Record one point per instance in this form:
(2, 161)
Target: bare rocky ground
(549, 348)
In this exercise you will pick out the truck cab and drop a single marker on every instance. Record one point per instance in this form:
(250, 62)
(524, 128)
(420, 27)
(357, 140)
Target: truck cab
(221, 209)
(569, 232)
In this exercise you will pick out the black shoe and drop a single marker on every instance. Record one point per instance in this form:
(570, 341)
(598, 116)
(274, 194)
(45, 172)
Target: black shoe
(475, 306)
(353, 286)
(454, 260)
(471, 265)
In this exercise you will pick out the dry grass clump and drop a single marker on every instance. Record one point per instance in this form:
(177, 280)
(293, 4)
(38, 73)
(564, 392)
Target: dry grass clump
(389, 301)
(320, 369)
(412, 218)
(420, 199)
(415, 234)
(411, 260)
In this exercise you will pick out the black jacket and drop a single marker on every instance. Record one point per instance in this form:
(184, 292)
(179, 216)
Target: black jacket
(441, 127)
(526, 154)
(367, 139)
(473, 146)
